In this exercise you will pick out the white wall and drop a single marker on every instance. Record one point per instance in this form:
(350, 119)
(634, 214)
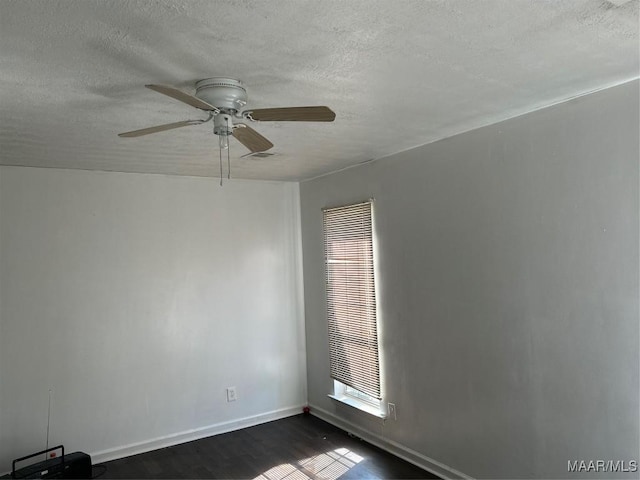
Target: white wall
(508, 275)
(138, 299)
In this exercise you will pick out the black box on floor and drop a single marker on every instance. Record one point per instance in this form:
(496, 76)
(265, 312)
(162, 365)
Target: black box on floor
(73, 465)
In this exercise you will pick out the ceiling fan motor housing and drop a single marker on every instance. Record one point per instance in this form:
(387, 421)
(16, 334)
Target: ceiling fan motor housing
(227, 94)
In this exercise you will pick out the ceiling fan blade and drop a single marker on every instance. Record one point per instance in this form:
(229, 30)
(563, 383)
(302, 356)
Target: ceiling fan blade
(293, 114)
(250, 138)
(159, 128)
(183, 97)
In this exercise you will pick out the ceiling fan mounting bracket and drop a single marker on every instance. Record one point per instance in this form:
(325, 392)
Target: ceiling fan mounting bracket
(227, 94)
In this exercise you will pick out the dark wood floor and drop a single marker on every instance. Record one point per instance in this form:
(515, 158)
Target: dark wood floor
(295, 448)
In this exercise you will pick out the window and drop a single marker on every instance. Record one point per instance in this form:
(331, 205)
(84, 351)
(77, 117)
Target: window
(351, 303)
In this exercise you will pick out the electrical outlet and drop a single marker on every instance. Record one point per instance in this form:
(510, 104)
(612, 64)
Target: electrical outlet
(392, 411)
(231, 394)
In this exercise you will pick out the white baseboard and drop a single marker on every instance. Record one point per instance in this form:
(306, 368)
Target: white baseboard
(411, 456)
(190, 435)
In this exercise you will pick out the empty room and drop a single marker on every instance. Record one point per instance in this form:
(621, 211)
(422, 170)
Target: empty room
(299, 240)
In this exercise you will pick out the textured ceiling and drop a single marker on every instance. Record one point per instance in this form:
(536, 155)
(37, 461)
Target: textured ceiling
(397, 73)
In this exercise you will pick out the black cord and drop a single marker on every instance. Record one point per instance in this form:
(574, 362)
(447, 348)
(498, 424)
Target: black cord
(98, 474)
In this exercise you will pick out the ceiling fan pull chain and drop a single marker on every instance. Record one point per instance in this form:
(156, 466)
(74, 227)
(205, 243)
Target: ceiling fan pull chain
(228, 154)
(220, 150)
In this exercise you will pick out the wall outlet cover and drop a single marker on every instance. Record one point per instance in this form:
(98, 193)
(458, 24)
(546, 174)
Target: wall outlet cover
(231, 394)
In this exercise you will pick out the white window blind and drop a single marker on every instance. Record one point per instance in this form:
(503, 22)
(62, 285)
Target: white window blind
(351, 298)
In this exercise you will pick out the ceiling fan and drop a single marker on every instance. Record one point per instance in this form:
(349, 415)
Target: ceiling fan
(223, 99)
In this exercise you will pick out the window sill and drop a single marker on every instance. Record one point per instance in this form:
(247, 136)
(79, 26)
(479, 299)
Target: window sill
(358, 404)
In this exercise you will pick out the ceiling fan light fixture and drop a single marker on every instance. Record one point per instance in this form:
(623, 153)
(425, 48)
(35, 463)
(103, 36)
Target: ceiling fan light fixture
(223, 125)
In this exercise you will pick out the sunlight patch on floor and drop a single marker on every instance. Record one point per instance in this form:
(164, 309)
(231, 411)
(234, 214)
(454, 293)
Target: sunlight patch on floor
(326, 466)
